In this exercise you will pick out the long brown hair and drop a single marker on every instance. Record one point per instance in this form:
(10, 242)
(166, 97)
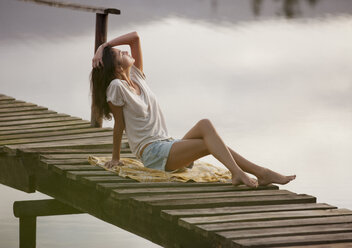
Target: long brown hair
(100, 78)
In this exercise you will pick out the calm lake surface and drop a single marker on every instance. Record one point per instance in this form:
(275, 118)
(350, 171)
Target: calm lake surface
(274, 77)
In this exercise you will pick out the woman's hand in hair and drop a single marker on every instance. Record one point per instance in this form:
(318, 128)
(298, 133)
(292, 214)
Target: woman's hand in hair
(97, 60)
(113, 163)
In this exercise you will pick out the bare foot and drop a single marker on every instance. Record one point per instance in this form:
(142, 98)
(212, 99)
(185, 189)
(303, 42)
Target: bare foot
(270, 176)
(242, 178)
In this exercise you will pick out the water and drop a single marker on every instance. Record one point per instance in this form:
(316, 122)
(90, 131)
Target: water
(273, 78)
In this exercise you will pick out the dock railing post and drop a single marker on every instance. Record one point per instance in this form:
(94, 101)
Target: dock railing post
(101, 28)
(27, 212)
(28, 231)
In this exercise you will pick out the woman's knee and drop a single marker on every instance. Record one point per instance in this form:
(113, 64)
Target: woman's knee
(206, 125)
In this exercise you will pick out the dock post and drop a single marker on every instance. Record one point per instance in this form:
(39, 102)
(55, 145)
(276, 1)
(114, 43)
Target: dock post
(28, 211)
(28, 230)
(101, 28)
(101, 25)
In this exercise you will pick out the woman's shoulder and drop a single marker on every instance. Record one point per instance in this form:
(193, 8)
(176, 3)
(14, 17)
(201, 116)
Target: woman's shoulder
(115, 83)
(115, 92)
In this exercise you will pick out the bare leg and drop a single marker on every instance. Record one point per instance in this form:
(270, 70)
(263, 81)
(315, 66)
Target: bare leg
(246, 165)
(265, 176)
(199, 149)
(205, 140)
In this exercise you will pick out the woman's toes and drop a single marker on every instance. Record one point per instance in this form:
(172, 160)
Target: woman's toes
(252, 182)
(292, 177)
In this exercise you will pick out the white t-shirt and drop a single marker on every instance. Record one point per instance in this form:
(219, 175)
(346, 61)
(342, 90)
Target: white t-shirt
(144, 121)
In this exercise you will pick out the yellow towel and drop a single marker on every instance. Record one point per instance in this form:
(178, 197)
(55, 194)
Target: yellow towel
(133, 168)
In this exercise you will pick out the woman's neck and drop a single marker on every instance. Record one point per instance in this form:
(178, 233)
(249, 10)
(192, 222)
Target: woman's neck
(126, 76)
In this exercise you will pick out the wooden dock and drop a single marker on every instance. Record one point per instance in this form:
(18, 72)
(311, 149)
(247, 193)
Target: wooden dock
(42, 150)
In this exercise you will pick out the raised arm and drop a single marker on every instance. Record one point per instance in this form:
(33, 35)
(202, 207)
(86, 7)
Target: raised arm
(119, 126)
(132, 39)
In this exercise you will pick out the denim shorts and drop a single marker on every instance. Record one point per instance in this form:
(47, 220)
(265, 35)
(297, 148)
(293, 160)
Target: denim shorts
(155, 154)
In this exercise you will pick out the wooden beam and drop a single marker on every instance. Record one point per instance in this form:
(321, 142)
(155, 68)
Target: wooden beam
(74, 6)
(42, 208)
(15, 174)
(101, 29)
(100, 34)
(28, 211)
(28, 232)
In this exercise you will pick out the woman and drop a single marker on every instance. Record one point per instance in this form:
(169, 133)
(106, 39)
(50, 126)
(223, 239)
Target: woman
(119, 86)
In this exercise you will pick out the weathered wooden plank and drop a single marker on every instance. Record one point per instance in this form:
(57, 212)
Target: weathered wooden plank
(179, 196)
(6, 98)
(108, 186)
(48, 163)
(81, 7)
(71, 156)
(61, 169)
(80, 155)
(209, 229)
(54, 133)
(208, 195)
(88, 142)
(293, 240)
(11, 110)
(72, 150)
(65, 161)
(46, 207)
(39, 130)
(156, 206)
(334, 245)
(78, 160)
(3, 102)
(283, 231)
(30, 117)
(36, 121)
(54, 138)
(17, 105)
(9, 101)
(174, 214)
(123, 193)
(81, 143)
(92, 180)
(19, 113)
(38, 125)
(189, 222)
(76, 175)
